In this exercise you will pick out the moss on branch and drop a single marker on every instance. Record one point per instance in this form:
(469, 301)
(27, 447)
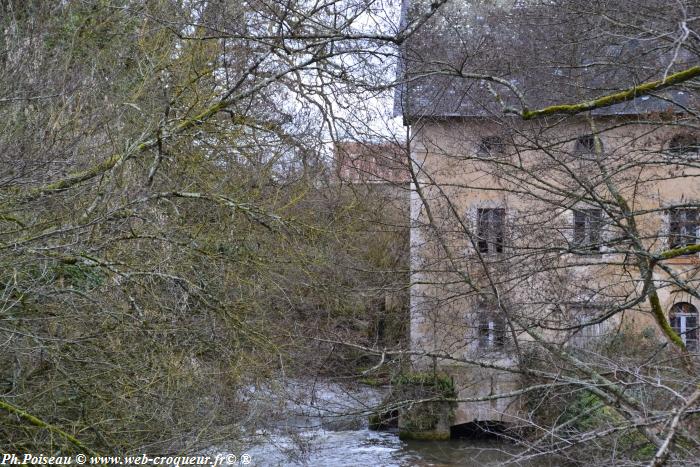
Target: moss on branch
(74, 178)
(13, 409)
(12, 219)
(676, 252)
(615, 98)
(112, 161)
(663, 323)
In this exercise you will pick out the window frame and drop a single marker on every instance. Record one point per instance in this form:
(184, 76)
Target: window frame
(682, 144)
(491, 146)
(585, 144)
(679, 323)
(680, 228)
(491, 332)
(587, 229)
(490, 230)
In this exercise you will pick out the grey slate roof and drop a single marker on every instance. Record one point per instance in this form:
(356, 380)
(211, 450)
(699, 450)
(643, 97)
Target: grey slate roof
(556, 52)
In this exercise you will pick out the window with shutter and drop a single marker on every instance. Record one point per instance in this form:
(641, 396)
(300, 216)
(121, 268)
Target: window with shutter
(683, 227)
(491, 230)
(588, 224)
(492, 332)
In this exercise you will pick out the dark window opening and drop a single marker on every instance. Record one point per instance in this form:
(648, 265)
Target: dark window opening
(586, 144)
(684, 320)
(491, 146)
(491, 230)
(683, 227)
(684, 144)
(588, 225)
(492, 333)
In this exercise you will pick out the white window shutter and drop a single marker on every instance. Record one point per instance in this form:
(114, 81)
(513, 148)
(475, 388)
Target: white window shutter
(568, 226)
(509, 230)
(608, 232)
(471, 223)
(665, 229)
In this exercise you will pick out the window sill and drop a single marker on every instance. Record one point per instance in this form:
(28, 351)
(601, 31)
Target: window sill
(487, 254)
(493, 352)
(589, 257)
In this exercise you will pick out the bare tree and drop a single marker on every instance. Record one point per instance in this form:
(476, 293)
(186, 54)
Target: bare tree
(167, 221)
(554, 150)
(170, 234)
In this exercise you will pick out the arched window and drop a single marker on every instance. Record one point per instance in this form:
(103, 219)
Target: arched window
(684, 320)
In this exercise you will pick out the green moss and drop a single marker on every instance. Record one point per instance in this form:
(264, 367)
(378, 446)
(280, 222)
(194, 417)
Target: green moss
(369, 381)
(430, 419)
(424, 435)
(383, 420)
(647, 451)
(615, 98)
(440, 383)
(80, 276)
(588, 413)
(375, 422)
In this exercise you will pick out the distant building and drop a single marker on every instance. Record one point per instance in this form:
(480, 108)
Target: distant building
(367, 162)
(378, 172)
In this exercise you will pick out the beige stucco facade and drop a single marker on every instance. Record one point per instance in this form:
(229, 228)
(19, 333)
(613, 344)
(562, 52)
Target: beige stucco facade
(542, 280)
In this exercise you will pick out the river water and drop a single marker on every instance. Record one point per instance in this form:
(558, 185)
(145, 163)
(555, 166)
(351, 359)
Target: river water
(368, 448)
(325, 424)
